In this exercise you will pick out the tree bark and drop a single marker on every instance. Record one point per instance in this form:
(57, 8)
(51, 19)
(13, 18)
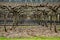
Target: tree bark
(50, 22)
(5, 23)
(55, 28)
(55, 25)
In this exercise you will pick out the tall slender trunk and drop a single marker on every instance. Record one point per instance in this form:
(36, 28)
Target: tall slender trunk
(50, 22)
(13, 23)
(15, 20)
(58, 17)
(55, 28)
(5, 23)
(46, 21)
(55, 24)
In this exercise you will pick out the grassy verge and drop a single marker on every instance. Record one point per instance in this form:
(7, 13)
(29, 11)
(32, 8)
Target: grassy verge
(32, 38)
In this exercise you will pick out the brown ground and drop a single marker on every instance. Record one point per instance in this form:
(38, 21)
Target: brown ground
(28, 31)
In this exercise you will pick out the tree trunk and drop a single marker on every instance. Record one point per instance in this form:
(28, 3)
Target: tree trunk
(55, 28)
(46, 21)
(15, 20)
(13, 27)
(59, 17)
(50, 22)
(55, 25)
(5, 23)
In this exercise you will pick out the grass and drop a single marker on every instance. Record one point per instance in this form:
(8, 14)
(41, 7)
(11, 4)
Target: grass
(32, 38)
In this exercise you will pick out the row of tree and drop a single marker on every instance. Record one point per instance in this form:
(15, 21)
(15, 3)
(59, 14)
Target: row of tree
(24, 11)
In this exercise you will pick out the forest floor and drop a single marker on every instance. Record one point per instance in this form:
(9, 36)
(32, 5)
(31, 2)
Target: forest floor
(29, 31)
